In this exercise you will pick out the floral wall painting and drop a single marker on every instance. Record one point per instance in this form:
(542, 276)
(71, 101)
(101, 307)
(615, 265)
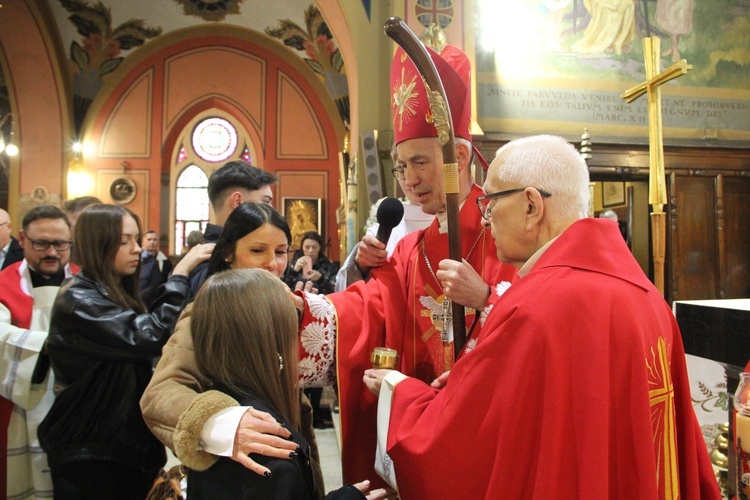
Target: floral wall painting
(210, 10)
(303, 215)
(320, 53)
(556, 66)
(99, 51)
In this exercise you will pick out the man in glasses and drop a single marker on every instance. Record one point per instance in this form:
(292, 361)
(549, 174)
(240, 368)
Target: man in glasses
(414, 219)
(403, 305)
(27, 291)
(10, 250)
(577, 387)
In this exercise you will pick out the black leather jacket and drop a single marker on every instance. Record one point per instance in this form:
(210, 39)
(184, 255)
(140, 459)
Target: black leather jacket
(291, 478)
(102, 356)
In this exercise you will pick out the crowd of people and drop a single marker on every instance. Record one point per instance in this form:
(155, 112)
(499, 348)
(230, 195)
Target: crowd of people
(110, 354)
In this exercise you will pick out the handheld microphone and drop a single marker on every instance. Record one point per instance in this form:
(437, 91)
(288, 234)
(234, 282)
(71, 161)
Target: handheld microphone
(390, 213)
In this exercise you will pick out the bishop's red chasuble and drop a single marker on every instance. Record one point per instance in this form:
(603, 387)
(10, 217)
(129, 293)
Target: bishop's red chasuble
(399, 307)
(577, 388)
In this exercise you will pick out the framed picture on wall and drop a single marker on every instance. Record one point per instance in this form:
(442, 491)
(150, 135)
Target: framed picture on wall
(303, 215)
(613, 194)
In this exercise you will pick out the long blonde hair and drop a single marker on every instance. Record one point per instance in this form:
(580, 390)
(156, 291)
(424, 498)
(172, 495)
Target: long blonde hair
(243, 325)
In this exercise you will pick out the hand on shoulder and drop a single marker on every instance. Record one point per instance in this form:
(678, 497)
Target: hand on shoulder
(196, 255)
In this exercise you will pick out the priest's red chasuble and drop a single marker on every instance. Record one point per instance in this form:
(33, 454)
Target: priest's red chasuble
(577, 388)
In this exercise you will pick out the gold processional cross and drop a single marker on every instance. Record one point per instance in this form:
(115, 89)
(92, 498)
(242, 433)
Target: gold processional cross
(657, 189)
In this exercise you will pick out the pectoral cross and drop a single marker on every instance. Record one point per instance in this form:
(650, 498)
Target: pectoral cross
(657, 189)
(445, 318)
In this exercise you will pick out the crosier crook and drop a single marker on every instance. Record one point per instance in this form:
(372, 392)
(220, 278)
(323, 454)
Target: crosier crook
(400, 33)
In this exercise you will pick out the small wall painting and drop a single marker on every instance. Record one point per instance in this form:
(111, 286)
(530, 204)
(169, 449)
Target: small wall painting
(613, 194)
(303, 215)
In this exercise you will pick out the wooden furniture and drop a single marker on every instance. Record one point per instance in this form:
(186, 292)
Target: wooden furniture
(718, 330)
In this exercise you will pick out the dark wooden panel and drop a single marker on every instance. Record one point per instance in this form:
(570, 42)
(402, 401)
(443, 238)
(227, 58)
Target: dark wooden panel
(715, 332)
(694, 254)
(735, 279)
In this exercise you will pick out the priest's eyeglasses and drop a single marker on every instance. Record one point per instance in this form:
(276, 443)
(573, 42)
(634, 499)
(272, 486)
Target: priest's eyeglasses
(483, 202)
(42, 245)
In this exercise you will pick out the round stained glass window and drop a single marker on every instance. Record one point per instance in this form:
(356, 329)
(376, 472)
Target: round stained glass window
(215, 139)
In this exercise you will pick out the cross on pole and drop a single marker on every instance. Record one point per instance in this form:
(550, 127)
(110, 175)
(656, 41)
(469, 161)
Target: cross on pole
(434, 9)
(657, 188)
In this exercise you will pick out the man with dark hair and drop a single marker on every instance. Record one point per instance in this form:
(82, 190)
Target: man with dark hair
(228, 187)
(10, 251)
(74, 207)
(155, 266)
(28, 289)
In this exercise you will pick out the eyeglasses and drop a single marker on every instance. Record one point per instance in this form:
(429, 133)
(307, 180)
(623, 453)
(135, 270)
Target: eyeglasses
(42, 245)
(400, 172)
(483, 202)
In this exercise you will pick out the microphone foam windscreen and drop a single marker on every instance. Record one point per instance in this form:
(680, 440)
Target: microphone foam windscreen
(390, 212)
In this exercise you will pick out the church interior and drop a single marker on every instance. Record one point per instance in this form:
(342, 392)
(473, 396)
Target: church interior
(137, 102)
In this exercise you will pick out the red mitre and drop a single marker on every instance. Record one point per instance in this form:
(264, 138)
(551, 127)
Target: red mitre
(411, 111)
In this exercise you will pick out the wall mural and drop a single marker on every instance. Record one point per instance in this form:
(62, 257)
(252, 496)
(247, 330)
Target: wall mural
(101, 48)
(320, 53)
(560, 65)
(210, 10)
(99, 51)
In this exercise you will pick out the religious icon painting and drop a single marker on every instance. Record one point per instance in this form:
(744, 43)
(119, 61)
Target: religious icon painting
(303, 215)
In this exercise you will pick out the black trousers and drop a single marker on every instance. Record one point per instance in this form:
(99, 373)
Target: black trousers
(101, 479)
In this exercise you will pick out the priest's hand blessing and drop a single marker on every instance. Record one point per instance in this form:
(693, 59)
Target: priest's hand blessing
(462, 284)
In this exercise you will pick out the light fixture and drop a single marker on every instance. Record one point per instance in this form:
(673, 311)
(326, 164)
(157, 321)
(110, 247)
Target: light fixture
(10, 147)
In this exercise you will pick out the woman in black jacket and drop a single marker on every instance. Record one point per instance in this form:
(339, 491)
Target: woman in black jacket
(244, 330)
(101, 345)
(309, 263)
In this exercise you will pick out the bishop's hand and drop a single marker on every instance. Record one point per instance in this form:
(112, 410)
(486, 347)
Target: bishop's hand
(462, 284)
(370, 253)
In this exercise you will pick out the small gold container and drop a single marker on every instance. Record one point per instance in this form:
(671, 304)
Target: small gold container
(384, 357)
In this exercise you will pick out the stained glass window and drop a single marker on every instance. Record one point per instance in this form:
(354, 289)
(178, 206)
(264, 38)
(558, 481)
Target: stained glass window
(215, 139)
(191, 211)
(246, 155)
(182, 155)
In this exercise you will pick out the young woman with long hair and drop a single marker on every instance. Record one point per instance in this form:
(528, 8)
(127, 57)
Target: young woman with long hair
(102, 342)
(249, 350)
(254, 235)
